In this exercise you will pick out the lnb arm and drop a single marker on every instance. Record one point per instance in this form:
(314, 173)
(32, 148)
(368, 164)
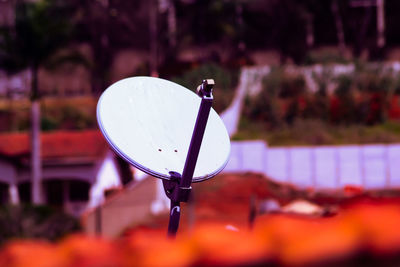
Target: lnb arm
(205, 88)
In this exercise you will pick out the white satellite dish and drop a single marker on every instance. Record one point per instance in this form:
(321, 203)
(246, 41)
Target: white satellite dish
(149, 122)
(167, 131)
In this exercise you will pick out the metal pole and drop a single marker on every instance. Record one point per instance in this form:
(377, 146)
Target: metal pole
(174, 217)
(195, 143)
(179, 187)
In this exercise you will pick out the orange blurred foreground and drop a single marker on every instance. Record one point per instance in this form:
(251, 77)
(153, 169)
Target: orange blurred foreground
(366, 230)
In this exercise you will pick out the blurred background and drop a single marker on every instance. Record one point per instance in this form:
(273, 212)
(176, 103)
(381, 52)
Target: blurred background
(309, 92)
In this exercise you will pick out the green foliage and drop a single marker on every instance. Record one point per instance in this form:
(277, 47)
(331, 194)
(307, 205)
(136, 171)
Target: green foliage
(278, 101)
(344, 83)
(48, 123)
(56, 114)
(73, 118)
(318, 107)
(67, 116)
(373, 80)
(225, 82)
(344, 107)
(355, 112)
(325, 56)
(318, 132)
(363, 96)
(27, 221)
(40, 29)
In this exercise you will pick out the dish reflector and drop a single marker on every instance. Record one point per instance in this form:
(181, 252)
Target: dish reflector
(149, 122)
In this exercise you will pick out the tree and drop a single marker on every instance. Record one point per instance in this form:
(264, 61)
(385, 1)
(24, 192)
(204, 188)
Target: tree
(109, 26)
(339, 26)
(40, 29)
(290, 20)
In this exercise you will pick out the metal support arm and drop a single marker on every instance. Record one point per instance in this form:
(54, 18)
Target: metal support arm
(178, 188)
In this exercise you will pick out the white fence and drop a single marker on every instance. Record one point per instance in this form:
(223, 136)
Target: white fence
(370, 166)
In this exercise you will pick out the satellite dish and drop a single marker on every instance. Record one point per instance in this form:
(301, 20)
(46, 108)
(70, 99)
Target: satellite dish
(149, 122)
(165, 130)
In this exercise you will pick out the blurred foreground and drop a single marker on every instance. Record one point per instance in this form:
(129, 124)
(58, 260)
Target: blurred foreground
(232, 222)
(362, 232)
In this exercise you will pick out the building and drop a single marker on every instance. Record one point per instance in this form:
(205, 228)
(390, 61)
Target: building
(77, 169)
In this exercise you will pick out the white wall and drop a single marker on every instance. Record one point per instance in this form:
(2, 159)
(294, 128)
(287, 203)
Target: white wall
(370, 166)
(107, 177)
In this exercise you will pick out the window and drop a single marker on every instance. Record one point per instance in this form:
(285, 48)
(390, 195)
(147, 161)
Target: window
(78, 191)
(4, 195)
(54, 192)
(24, 191)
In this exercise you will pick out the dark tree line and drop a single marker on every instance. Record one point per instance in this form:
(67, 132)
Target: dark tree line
(162, 28)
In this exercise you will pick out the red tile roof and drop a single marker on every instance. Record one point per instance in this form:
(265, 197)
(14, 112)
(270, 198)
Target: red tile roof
(57, 144)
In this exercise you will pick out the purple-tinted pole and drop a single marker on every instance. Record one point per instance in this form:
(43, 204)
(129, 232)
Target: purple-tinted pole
(205, 92)
(178, 188)
(174, 217)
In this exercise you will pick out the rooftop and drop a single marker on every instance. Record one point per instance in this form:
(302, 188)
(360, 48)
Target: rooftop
(56, 144)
